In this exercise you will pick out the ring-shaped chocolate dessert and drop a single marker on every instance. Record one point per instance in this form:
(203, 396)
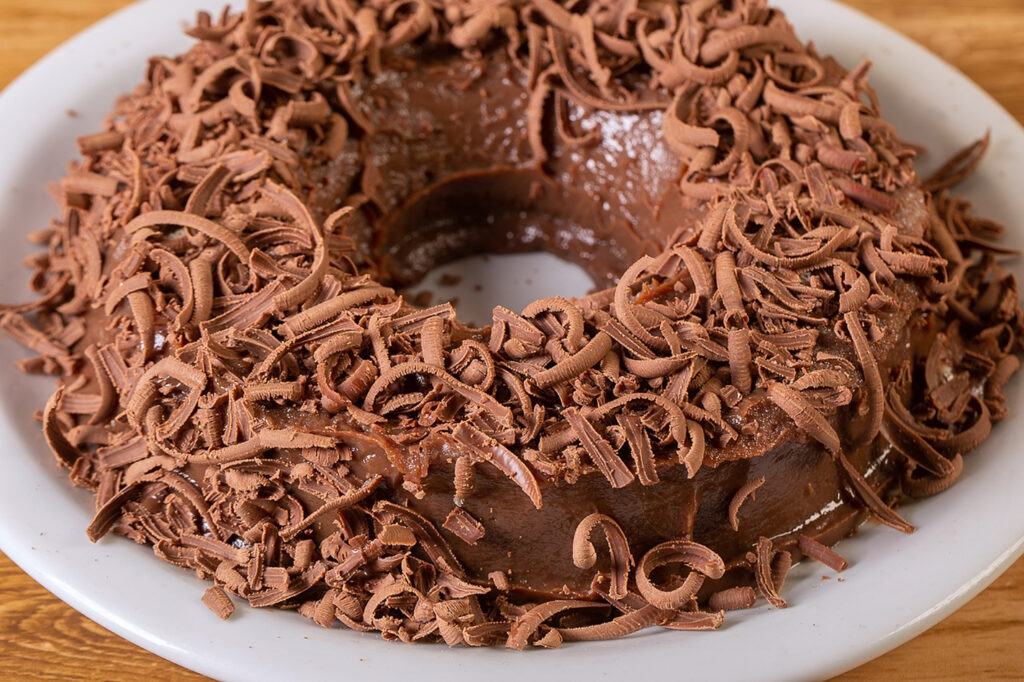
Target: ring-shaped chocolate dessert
(789, 330)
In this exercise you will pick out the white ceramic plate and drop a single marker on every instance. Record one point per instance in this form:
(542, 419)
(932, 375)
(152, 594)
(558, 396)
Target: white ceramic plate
(896, 587)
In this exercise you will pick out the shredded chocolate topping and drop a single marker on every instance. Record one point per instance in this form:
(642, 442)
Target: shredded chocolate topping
(244, 388)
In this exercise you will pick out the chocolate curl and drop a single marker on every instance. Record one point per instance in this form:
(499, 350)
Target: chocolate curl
(867, 495)
(563, 125)
(100, 142)
(260, 443)
(620, 626)
(872, 377)
(697, 267)
(418, 22)
(741, 139)
(821, 553)
(527, 624)
(122, 290)
(66, 453)
(217, 600)
(92, 184)
(729, 289)
(600, 450)
(958, 168)
(732, 599)
(201, 274)
(625, 310)
(181, 278)
(720, 42)
(701, 560)
(475, 396)
(109, 512)
(200, 198)
(794, 60)
(576, 364)
(843, 160)
(928, 485)
(108, 394)
(145, 320)
(539, 94)
(331, 308)
(584, 555)
(639, 447)
(682, 137)
(493, 452)
(808, 419)
(479, 25)
(866, 196)
(198, 223)
(484, 357)
(740, 359)
(302, 291)
(464, 526)
(767, 585)
(680, 69)
(432, 342)
(741, 496)
(573, 316)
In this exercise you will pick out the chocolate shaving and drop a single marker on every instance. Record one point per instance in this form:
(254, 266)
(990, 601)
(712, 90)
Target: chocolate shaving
(489, 450)
(959, 167)
(572, 366)
(394, 373)
(217, 600)
(822, 553)
(461, 523)
(66, 453)
(740, 496)
(601, 452)
(301, 292)
(808, 419)
(525, 626)
(620, 626)
(867, 495)
(764, 558)
(109, 512)
(702, 561)
(333, 506)
(640, 447)
(584, 555)
(198, 223)
(732, 599)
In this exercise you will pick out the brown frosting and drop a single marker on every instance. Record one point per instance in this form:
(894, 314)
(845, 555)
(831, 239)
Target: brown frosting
(794, 327)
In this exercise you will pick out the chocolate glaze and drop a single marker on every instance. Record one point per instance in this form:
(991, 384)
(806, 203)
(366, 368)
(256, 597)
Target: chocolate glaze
(450, 173)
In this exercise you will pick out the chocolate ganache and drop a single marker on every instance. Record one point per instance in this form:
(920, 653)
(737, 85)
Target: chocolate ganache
(790, 330)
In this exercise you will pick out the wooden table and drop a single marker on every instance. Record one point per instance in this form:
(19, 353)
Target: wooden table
(42, 638)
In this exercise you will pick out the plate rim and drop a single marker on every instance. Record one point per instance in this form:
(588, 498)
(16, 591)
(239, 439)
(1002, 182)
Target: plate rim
(108, 618)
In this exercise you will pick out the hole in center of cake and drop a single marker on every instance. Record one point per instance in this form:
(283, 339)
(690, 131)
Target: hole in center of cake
(497, 237)
(475, 284)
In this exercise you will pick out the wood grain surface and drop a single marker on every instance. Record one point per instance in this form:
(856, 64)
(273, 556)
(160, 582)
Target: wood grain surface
(42, 638)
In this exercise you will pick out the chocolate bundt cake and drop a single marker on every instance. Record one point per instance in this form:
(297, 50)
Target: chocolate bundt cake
(789, 331)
